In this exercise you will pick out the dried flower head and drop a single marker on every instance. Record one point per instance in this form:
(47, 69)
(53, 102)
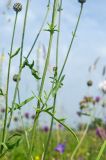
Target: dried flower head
(17, 7)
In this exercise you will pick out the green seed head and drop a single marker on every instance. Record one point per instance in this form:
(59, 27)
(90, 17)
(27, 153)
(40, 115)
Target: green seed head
(81, 1)
(17, 7)
(89, 83)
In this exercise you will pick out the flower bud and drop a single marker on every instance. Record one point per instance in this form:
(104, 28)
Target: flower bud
(15, 78)
(81, 1)
(89, 83)
(17, 7)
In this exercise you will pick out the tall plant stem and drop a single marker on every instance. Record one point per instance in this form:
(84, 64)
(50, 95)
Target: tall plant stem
(20, 66)
(80, 142)
(49, 49)
(54, 101)
(7, 85)
(45, 70)
(68, 52)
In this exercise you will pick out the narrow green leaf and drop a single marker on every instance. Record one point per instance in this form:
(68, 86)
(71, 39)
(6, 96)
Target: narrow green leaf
(25, 101)
(18, 106)
(16, 52)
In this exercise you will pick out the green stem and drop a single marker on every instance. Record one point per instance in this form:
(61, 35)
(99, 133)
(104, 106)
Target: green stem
(50, 131)
(33, 135)
(45, 69)
(49, 49)
(25, 132)
(54, 101)
(20, 66)
(7, 85)
(70, 46)
(80, 142)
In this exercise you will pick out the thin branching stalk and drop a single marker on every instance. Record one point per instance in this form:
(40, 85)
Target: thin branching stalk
(40, 30)
(45, 69)
(20, 66)
(68, 52)
(56, 72)
(7, 85)
(70, 46)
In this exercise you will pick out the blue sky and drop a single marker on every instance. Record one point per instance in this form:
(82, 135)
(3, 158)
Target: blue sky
(89, 44)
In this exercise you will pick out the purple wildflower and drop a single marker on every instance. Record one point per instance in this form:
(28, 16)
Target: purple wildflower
(60, 148)
(60, 126)
(97, 99)
(26, 115)
(101, 133)
(45, 128)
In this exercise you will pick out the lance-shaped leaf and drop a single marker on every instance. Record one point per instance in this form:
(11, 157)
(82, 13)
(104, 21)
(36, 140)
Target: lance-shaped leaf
(16, 52)
(18, 106)
(64, 125)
